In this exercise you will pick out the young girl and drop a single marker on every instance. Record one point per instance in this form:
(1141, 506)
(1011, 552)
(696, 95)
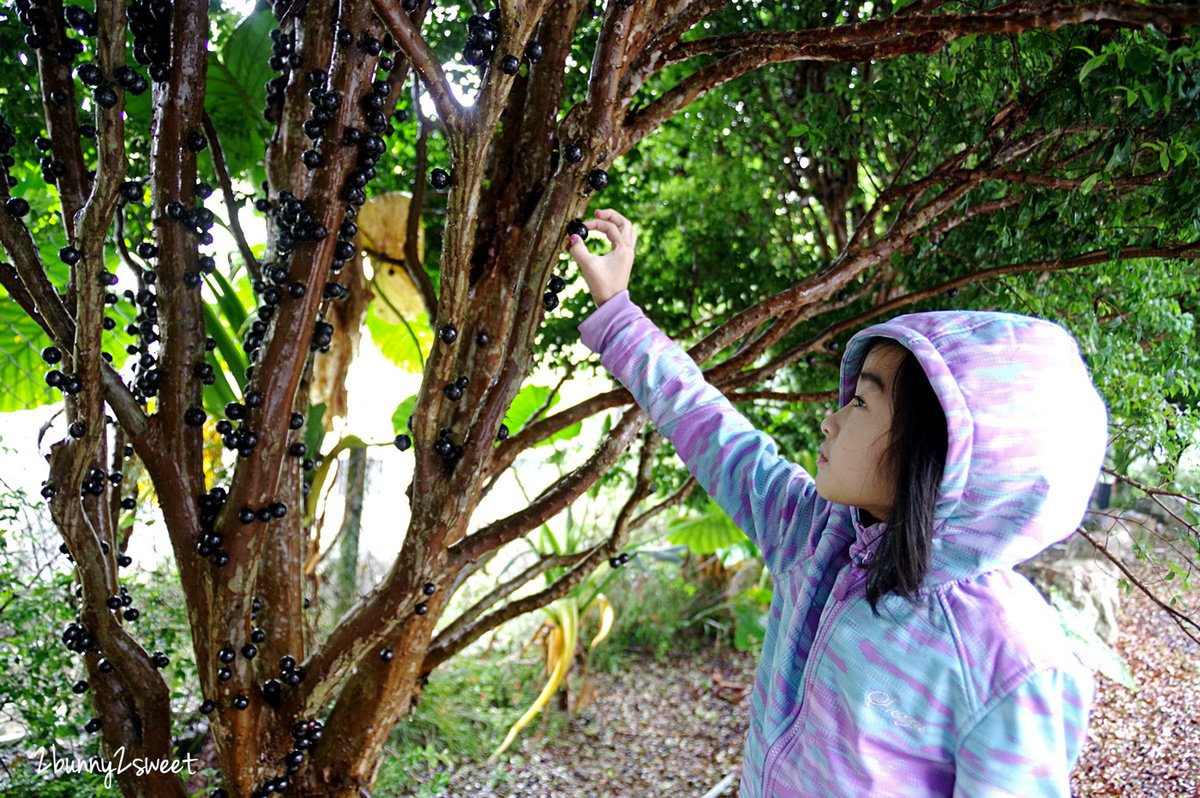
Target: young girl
(903, 655)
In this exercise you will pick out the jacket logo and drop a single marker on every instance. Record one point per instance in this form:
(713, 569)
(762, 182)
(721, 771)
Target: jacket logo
(878, 698)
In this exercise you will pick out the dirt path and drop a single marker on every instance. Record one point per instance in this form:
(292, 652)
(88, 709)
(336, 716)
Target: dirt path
(671, 729)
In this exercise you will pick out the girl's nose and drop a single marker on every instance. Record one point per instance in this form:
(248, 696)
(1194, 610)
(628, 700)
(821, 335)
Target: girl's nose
(827, 425)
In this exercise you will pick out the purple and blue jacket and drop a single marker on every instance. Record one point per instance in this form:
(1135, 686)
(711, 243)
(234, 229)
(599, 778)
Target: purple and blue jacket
(974, 691)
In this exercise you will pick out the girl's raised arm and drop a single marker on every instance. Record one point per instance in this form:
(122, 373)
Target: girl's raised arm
(772, 500)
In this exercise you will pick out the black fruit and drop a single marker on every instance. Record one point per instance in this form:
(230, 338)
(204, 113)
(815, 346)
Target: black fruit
(576, 227)
(598, 179)
(448, 334)
(439, 178)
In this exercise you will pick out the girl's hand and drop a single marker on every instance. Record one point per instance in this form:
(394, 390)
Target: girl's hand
(606, 275)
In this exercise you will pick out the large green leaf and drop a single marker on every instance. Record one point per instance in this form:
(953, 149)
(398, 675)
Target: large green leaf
(404, 344)
(235, 92)
(707, 533)
(526, 403)
(22, 370)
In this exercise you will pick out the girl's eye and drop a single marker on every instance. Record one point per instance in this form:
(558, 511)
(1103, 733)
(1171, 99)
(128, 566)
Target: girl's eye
(858, 401)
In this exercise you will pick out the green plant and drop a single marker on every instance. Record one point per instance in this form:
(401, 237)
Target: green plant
(41, 718)
(463, 715)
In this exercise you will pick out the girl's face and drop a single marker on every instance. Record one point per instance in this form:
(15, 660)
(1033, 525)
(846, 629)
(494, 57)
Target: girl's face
(851, 468)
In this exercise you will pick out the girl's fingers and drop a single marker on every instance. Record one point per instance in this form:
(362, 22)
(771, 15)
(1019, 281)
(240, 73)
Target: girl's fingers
(614, 217)
(613, 232)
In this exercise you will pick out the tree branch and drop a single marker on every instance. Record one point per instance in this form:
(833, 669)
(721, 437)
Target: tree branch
(218, 157)
(552, 500)
(450, 642)
(1181, 620)
(425, 61)
(872, 41)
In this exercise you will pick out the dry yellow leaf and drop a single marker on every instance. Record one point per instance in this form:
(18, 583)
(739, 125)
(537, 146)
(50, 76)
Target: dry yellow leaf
(383, 225)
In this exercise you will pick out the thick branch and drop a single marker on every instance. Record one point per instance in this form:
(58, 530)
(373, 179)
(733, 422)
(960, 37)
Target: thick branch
(872, 41)
(1015, 17)
(452, 641)
(425, 61)
(555, 498)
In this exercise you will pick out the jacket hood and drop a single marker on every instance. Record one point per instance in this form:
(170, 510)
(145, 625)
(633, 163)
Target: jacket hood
(1027, 432)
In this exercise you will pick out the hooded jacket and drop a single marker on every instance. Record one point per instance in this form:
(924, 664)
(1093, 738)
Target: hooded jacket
(973, 691)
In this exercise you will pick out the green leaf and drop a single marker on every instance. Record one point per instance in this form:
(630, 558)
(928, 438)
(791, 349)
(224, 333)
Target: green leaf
(707, 533)
(22, 370)
(1092, 65)
(798, 129)
(1140, 60)
(401, 414)
(235, 91)
(1089, 183)
(526, 403)
(405, 344)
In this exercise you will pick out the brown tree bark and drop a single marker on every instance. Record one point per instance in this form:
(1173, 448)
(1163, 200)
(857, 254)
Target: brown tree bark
(511, 198)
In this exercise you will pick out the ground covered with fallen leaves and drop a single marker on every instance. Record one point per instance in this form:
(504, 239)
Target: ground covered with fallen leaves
(676, 728)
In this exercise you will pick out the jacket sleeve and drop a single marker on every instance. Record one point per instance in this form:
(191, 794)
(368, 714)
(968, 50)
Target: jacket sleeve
(770, 499)
(1028, 744)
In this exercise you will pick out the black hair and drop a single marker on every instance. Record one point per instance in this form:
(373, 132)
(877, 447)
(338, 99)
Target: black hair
(915, 456)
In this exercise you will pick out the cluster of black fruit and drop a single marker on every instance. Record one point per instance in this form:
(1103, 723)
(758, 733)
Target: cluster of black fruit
(243, 439)
(283, 51)
(481, 38)
(67, 383)
(371, 147)
(124, 600)
(52, 170)
(454, 390)
(210, 542)
(40, 32)
(15, 206)
(283, 56)
(289, 671)
(198, 220)
(149, 378)
(373, 104)
(150, 24)
(95, 480)
(619, 560)
(553, 289)
(78, 639)
(344, 250)
(446, 448)
(296, 224)
(273, 510)
(125, 76)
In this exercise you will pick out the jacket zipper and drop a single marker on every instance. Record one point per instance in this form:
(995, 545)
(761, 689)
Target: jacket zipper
(818, 651)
